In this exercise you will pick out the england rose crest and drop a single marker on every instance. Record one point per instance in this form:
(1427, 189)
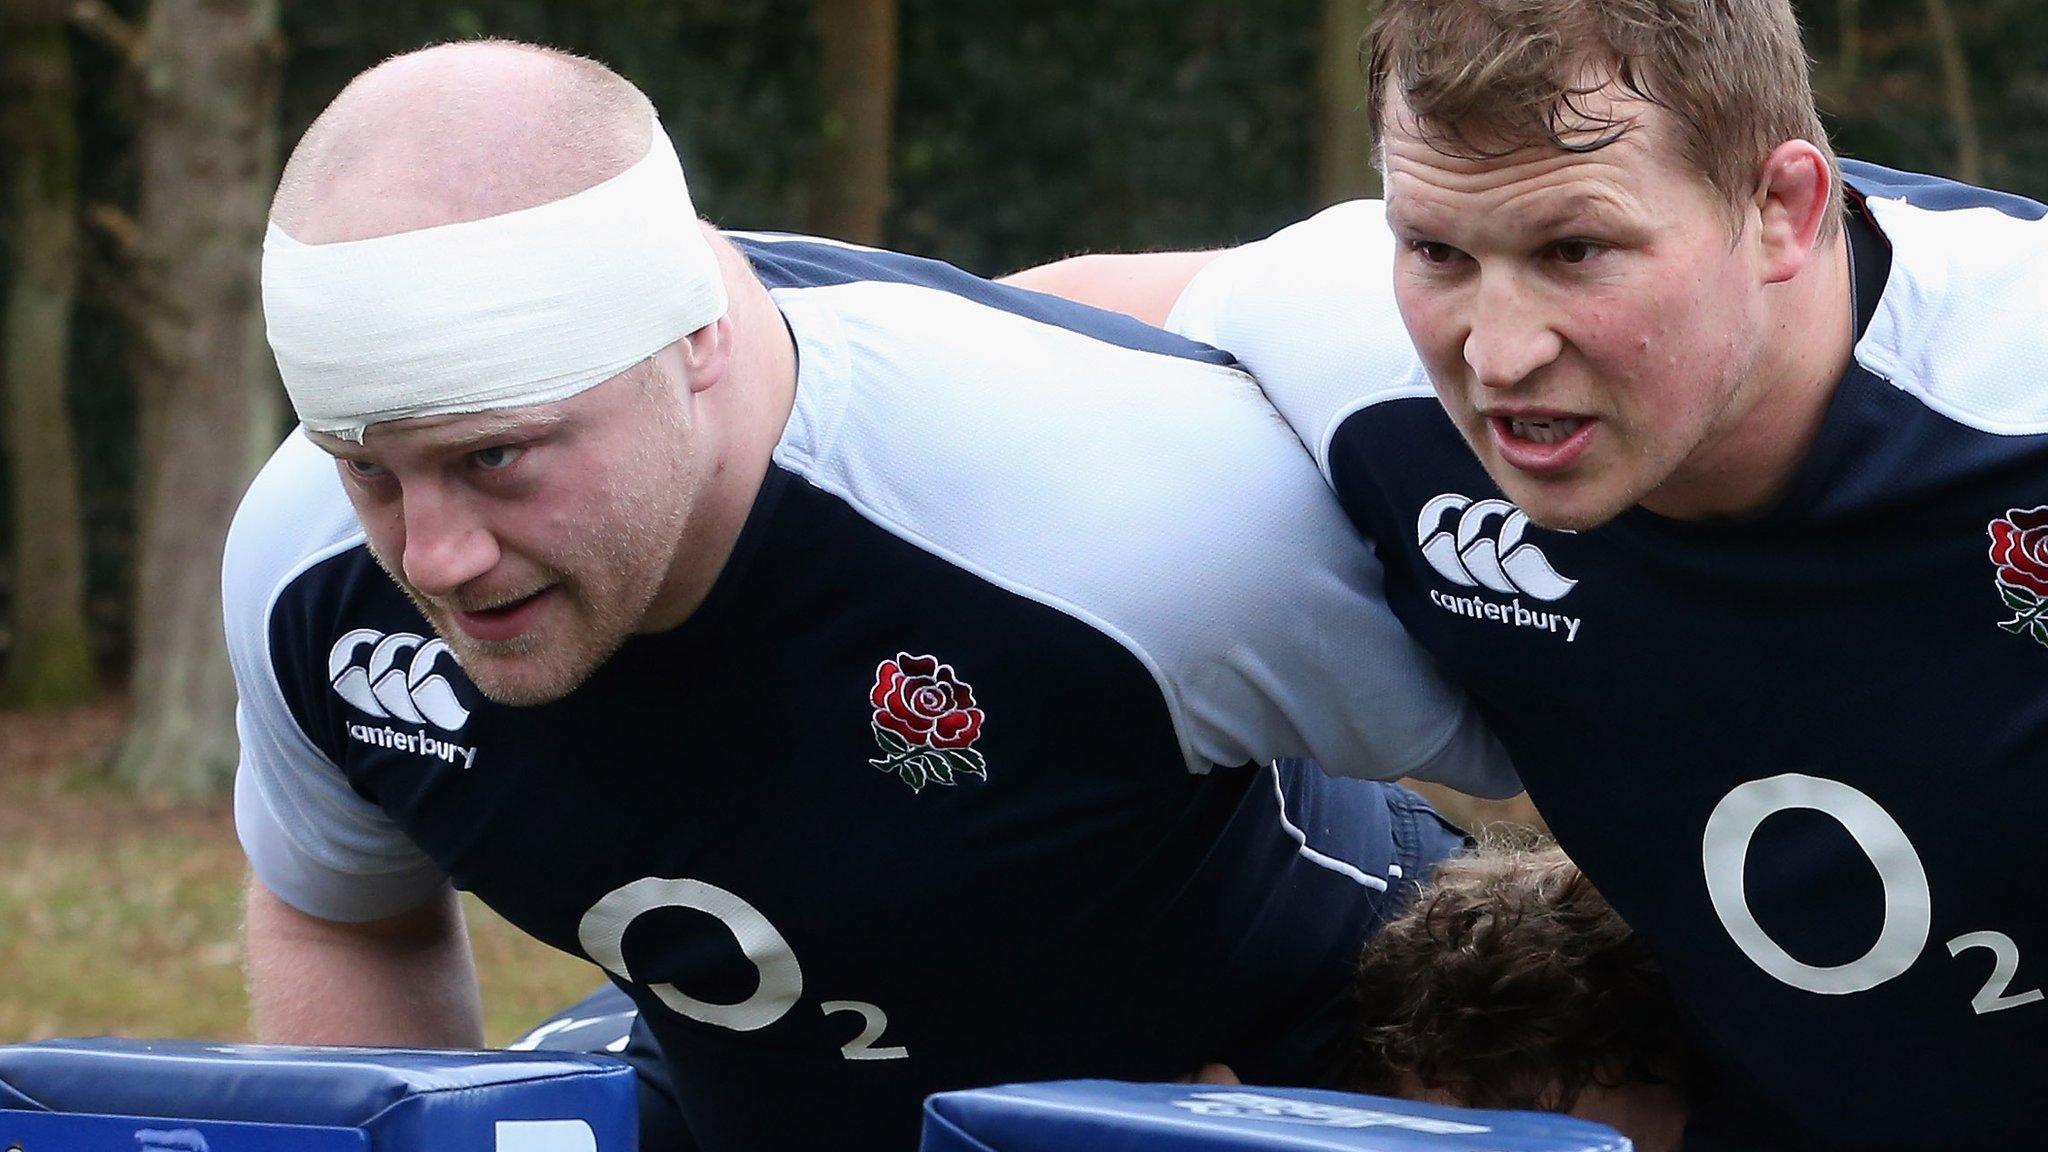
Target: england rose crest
(2019, 547)
(925, 722)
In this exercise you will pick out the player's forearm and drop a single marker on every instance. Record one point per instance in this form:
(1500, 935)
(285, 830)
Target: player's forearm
(1144, 285)
(407, 981)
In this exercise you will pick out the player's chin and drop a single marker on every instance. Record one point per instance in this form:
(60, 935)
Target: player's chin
(1567, 503)
(532, 669)
(524, 682)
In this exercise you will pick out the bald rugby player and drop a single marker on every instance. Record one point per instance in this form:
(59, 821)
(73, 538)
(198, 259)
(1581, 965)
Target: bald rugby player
(1717, 470)
(876, 671)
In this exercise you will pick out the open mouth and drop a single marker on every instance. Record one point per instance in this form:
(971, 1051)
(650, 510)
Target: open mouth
(1544, 429)
(501, 621)
(1541, 444)
(505, 608)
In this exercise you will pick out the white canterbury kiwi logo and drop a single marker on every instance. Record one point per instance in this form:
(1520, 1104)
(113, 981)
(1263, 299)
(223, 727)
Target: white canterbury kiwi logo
(397, 680)
(1478, 544)
(1477, 552)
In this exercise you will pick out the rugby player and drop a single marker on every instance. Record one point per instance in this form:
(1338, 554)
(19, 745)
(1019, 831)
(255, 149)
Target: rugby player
(877, 671)
(1507, 982)
(1717, 470)
(1510, 982)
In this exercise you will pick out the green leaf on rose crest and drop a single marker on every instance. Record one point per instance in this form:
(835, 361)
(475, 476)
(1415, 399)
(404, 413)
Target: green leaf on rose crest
(965, 760)
(2017, 600)
(890, 741)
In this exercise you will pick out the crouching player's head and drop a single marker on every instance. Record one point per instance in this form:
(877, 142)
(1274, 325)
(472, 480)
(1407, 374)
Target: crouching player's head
(1510, 983)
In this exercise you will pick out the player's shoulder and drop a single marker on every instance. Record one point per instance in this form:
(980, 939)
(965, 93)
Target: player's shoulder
(295, 567)
(294, 523)
(1959, 323)
(1323, 239)
(1156, 498)
(923, 376)
(898, 287)
(294, 515)
(914, 362)
(1340, 257)
(1310, 313)
(940, 415)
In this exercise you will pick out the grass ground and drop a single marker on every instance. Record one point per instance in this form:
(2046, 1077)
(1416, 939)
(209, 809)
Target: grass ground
(121, 916)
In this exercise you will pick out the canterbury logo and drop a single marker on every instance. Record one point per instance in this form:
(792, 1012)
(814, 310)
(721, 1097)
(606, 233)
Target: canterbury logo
(1479, 545)
(394, 677)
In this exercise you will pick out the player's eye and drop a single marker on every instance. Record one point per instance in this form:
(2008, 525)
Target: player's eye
(497, 457)
(1573, 251)
(1433, 252)
(365, 470)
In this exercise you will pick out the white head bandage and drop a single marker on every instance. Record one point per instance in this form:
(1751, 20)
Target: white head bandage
(525, 308)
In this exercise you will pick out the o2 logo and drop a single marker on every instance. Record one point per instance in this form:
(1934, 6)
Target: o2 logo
(602, 933)
(1908, 903)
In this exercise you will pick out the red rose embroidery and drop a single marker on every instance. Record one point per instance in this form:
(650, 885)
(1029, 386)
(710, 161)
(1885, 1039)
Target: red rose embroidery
(925, 721)
(922, 701)
(2019, 546)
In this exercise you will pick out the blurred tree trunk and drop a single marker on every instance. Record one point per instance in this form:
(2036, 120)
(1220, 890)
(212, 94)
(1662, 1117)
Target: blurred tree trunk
(857, 97)
(51, 661)
(1955, 80)
(1343, 144)
(207, 154)
(1850, 45)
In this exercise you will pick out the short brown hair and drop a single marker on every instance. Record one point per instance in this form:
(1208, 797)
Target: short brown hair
(1483, 78)
(1509, 983)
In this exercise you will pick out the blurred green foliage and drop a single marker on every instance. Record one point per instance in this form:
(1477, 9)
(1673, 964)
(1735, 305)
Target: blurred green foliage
(1026, 130)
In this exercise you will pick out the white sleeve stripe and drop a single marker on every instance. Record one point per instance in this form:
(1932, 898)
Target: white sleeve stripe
(1416, 387)
(1309, 854)
(268, 785)
(270, 610)
(311, 838)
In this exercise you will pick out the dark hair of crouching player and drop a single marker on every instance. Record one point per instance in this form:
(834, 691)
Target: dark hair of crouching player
(1510, 983)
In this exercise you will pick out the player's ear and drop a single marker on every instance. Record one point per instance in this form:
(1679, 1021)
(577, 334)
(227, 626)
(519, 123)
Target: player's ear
(1794, 193)
(707, 353)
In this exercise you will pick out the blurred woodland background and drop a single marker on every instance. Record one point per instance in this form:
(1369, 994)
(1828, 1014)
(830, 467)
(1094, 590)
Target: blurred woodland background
(140, 139)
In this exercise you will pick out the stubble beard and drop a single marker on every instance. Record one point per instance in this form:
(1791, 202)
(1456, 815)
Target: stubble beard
(604, 587)
(1681, 476)
(600, 585)
(1642, 472)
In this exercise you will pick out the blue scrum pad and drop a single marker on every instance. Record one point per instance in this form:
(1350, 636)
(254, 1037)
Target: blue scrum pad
(105, 1095)
(1106, 1116)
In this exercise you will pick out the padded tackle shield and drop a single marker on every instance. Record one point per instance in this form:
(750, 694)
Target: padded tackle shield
(105, 1095)
(1108, 1116)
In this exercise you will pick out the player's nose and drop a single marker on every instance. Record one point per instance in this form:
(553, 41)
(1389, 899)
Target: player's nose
(447, 544)
(1507, 334)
